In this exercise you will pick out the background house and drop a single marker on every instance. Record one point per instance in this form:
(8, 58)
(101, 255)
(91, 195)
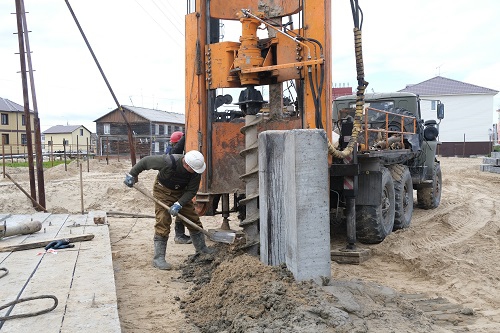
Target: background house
(468, 122)
(151, 129)
(75, 137)
(13, 126)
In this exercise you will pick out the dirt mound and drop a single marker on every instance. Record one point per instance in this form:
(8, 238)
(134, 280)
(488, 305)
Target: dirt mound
(237, 293)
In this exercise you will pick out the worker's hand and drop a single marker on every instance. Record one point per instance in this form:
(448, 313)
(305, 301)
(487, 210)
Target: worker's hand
(174, 210)
(129, 180)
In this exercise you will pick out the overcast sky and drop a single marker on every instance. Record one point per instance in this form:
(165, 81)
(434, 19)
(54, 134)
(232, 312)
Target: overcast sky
(140, 46)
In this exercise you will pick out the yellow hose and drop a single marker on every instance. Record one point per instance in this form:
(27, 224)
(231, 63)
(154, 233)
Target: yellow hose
(360, 101)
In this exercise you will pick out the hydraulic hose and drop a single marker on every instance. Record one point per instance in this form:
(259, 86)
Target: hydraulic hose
(360, 95)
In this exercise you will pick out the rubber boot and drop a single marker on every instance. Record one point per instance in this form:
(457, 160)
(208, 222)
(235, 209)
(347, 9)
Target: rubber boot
(180, 237)
(160, 245)
(199, 243)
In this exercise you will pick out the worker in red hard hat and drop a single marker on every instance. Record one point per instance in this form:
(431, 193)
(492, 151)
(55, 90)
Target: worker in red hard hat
(176, 184)
(178, 140)
(175, 139)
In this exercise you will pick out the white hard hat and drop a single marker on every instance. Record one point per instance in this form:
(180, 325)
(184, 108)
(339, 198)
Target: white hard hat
(195, 160)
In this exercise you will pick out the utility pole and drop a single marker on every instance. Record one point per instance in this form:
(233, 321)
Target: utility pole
(36, 120)
(29, 141)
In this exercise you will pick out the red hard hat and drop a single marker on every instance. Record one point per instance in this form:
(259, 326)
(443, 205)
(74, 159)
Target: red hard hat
(176, 136)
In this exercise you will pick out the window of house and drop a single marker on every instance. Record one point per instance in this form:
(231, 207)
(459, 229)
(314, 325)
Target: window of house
(5, 119)
(5, 139)
(81, 131)
(65, 142)
(107, 128)
(24, 140)
(157, 129)
(433, 105)
(23, 120)
(167, 132)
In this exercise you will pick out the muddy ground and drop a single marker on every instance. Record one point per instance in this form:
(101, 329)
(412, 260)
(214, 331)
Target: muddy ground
(439, 275)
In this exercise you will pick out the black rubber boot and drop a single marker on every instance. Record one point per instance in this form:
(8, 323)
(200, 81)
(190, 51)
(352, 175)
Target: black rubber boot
(180, 237)
(160, 245)
(199, 243)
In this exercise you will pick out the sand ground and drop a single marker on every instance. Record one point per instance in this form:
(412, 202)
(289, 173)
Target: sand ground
(439, 275)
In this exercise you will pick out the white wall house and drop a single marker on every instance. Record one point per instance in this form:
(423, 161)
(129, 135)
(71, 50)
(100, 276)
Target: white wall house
(468, 108)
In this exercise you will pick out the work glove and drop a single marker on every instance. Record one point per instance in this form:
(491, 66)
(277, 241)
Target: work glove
(174, 210)
(59, 244)
(129, 180)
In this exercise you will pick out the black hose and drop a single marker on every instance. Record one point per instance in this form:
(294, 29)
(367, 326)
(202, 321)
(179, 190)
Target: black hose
(5, 270)
(29, 314)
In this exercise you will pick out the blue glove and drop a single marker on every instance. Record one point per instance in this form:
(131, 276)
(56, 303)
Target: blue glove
(59, 244)
(129, 180)
(174, 210)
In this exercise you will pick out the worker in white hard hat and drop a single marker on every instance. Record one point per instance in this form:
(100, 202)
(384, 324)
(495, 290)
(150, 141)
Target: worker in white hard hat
(176, 185)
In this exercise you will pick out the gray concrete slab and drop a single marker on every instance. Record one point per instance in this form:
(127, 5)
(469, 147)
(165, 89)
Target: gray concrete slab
(81, 278)
(294, 202)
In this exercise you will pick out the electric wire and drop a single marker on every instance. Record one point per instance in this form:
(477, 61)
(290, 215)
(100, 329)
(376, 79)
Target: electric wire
(168, 18)
(152, 18)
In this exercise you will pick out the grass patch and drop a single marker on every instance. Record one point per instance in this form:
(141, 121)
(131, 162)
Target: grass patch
(46, 165)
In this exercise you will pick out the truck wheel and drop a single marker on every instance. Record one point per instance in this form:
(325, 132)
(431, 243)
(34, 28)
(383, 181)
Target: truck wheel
(403, 195)
(430, 197)
(374, 223)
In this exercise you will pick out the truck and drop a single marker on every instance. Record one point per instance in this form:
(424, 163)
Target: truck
(278, 76)
(395, 155)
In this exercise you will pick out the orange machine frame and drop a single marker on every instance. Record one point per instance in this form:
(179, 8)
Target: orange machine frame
(211, 65)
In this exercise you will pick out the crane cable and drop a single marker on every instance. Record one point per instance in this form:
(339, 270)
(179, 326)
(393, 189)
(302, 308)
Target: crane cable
(357, 14)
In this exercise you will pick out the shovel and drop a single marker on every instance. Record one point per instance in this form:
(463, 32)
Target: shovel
(216, 236)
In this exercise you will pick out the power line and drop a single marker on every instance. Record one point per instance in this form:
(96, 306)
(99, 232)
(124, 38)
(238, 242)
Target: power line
(173, 10)
(168, 18)
(166, 32)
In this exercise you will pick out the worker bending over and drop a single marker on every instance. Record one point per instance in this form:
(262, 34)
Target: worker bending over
(176, 185)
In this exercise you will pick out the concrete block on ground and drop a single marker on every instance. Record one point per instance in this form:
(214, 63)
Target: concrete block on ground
(294, 202)
(492, 161)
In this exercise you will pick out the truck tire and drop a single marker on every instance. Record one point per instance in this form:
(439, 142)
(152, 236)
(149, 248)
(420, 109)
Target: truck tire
(403, 196)
(374, 223)
(430, 197)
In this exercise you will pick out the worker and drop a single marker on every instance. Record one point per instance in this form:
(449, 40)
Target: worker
(176, 185)
(178, 146)
(178, 141)
(174, 139)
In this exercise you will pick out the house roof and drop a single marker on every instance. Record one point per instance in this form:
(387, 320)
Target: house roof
(443, 86)
(61, 129)
(153, 115)
(8, 105)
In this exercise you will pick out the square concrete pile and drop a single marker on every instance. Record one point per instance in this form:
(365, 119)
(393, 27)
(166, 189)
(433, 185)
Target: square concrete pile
(294, 202)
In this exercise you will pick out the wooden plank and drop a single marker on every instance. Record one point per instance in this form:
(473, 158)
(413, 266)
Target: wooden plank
(41, 244)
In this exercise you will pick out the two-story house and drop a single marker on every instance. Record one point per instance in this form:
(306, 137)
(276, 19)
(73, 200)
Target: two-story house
(71, 138)
(151, 130)
(468, 121)
(13, 126)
